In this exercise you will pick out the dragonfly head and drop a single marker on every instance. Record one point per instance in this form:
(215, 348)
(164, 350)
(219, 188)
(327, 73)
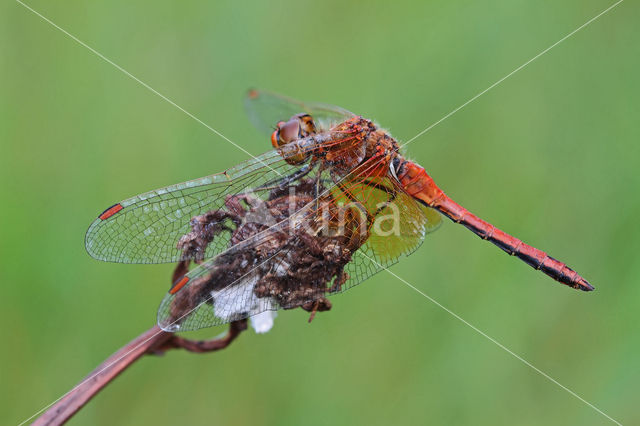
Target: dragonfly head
(299, 126)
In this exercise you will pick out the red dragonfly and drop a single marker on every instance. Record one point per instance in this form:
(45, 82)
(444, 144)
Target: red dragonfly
(332, 204)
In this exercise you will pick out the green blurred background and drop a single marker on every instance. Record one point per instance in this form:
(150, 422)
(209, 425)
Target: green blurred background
(550, 155)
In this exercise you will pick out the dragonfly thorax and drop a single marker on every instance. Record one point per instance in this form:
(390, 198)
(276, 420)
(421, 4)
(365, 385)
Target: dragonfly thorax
(341, 148)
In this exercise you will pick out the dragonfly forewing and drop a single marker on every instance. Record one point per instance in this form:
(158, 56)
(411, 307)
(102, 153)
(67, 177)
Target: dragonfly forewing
(146, 228)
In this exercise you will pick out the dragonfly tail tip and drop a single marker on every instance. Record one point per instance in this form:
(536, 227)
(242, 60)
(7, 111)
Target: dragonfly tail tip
(585, 286)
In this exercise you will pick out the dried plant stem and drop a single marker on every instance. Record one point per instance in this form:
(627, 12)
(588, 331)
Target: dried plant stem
(153, 341)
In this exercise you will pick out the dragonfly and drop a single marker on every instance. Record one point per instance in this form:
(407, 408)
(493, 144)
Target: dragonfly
(333, 203)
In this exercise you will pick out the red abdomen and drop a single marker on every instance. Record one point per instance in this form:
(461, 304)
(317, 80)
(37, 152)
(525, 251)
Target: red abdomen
(417, 183)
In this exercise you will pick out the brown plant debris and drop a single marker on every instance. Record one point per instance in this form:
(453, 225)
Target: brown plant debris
(293, 259)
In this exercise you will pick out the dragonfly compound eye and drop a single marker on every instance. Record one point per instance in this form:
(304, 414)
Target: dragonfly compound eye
(289, 131)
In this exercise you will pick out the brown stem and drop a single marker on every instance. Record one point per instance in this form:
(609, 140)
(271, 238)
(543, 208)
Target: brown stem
(153, 341)
(202, 346)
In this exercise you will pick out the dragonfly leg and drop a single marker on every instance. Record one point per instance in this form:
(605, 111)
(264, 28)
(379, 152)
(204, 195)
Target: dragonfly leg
(282, 182)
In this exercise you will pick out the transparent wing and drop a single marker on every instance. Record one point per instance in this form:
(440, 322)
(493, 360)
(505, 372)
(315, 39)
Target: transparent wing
(147, 228)
(399, 230)
(301, 259)
(265, 109)
(217, 291)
